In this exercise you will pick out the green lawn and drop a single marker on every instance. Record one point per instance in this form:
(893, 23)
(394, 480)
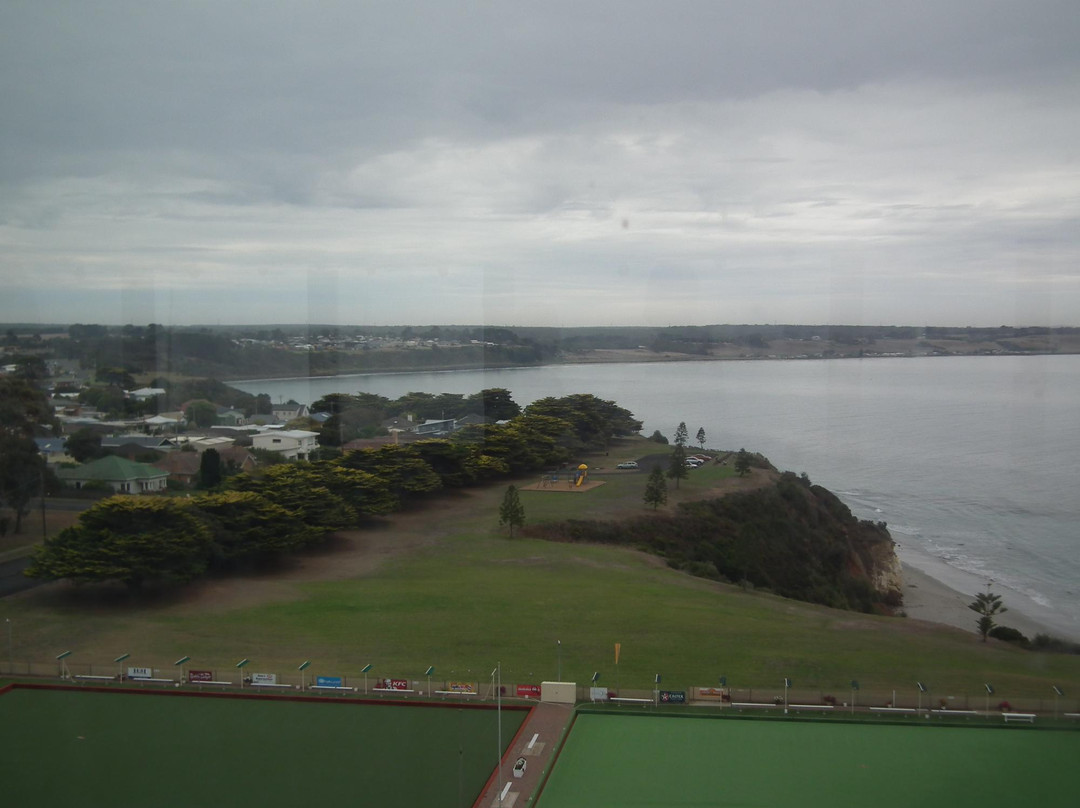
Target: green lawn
(69, 748)
(470, 597)
(650, 761)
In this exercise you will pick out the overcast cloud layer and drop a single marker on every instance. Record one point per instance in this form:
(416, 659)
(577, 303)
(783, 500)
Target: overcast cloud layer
(530, 163)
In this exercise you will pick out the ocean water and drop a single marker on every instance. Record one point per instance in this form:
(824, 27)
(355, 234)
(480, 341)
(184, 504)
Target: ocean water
(974, 462)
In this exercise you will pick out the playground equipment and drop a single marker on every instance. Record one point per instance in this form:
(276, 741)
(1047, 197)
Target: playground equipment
(580, 474)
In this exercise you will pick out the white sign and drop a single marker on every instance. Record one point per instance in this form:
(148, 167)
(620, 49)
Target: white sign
(264, 678)
(598, 693)
(140, 673)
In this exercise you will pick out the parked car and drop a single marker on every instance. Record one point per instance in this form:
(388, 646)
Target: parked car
(629, 464)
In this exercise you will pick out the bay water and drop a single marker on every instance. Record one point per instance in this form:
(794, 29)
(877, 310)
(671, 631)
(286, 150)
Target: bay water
(974, 462)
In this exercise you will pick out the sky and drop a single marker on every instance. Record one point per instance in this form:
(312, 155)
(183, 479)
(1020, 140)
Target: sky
(540, 163)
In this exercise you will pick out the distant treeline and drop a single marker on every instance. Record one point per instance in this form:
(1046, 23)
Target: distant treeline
(251, 351)
(256, 517)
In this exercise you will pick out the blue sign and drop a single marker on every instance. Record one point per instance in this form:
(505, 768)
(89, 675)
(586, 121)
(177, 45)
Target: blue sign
(328, 681)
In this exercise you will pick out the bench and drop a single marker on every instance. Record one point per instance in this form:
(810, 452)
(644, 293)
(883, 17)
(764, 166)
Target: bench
(213, 682)
(453, 693)
(95, 677)
(389, 690)
(893, 709)
(629, 700)
(1028, 718)
(332, 687)
(149, 679)
(269, 684)
(755, 704)
(811, 706)
(955, 712)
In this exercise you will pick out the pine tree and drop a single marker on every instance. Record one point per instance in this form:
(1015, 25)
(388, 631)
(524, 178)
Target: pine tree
(656, 489)
(677, 467)
(701, 437)
(742, 463)
(512, 512)
(681, 434)
(987, 605)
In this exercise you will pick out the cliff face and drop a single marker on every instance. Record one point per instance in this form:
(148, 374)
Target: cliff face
(793, 538)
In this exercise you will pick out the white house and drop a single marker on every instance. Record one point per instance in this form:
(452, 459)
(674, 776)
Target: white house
(295, 444)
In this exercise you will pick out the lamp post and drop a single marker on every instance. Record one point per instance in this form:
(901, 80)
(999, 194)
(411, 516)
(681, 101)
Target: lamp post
(120, 661)
(427, 673)
(558, 653)
(854, 690)
(787, 684)
(10, 646)
(656, 692)
(62, 659)
(364, 671)
(723, 684)
(303, 666)
(240, 667)
(1057, 692)
(989, 692)
(922, 689)
(180, 664)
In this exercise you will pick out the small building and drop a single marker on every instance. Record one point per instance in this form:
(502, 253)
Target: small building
(182, 467)
(434, 428)
(123, 476)
(294, 444)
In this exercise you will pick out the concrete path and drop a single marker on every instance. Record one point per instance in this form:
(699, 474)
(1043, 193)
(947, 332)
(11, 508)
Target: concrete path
(537, 743)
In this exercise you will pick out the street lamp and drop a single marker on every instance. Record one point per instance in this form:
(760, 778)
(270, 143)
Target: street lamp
(120, 661)
(558, 651)
(1057, 692)
(180, 664)
(364, 671)
(303, 676)
(989, 692)
(787, 684)
(922, 689)
(240, 666)
(854, 690)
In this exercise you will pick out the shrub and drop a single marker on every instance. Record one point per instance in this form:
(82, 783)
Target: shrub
(1007, 634)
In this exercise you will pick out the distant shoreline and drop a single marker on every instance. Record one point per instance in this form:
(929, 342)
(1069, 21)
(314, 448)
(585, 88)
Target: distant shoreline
(618, 357)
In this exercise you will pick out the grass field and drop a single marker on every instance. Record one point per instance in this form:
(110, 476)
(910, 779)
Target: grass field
(65, 748)
(443, 586)
(651, 761)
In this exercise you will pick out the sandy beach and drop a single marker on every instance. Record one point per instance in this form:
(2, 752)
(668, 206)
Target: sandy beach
(926, 598)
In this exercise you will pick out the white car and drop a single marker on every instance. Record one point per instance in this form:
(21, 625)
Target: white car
(629, 464)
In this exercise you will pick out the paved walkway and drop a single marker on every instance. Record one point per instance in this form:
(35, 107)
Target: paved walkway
(546, 723)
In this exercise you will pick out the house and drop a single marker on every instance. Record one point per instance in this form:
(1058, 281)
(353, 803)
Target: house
(182, 467)
(227, 416)
(237, 458)
(144, 393)
(54, 450)
(123, 476)
(294, 444)
(472, 420)
(284, 413)
(433, 428)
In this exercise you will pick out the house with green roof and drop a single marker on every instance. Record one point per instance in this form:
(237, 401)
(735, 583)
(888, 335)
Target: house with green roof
(122, 475)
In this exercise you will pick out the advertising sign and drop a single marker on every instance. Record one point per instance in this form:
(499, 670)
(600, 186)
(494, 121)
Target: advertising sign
(598, 693)
(528, 691)
(394, 684)
(673, 696)
(711, 692)
(461, 687)
(140, 673)
(328, 681)
(264, 678)
(200, 676)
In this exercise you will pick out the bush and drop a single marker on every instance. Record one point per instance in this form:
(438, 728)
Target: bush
(1007, 634)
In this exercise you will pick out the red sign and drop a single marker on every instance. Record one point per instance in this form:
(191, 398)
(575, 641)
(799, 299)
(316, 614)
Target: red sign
(394, 684)
(528, 691)
(200, 676)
